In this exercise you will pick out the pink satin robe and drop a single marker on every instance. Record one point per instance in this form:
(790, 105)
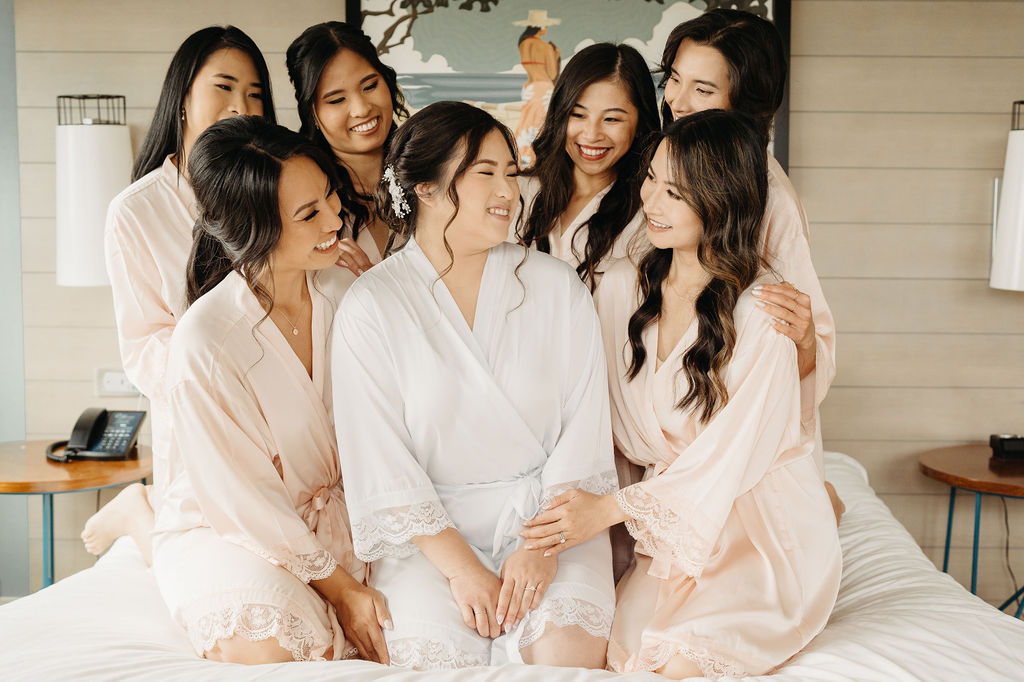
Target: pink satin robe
(738, 558)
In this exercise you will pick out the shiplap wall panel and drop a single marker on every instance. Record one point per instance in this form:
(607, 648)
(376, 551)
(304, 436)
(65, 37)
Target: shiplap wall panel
(38, 190)
(38, 245)
(37, 131)
(899, 412)
(923, 360)
(862, 140)
(71, 354)
(873, 83)
(892, 464)
(50, 306)
(963, 306)
(900, 251)
(909, 28)
(134, 26)
(896, 195)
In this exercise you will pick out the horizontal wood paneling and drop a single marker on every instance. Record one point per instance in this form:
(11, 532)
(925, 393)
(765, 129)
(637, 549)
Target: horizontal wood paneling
(921, 413)
(994, 584)
(100, 25)
(923, 306)
(71, 354)
(64, 401)
(39, 245)
(925, 517)
(956, 29)
(38, 190)
(892, 464)
(47, 305)
(939, 360)
(875, 195)
(882, 140)
(899, 251)
(923, 84)
(37, 131)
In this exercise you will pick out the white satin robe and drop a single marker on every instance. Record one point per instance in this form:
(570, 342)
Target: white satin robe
(255, 508)
(569, 244)
(440, 426)
(738, 557)
(147, 241)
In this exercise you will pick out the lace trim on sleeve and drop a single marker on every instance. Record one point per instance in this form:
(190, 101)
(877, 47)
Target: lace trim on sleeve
(388, 532)
(661, 532)
(603, 483)
(310, 566)
(563, 612)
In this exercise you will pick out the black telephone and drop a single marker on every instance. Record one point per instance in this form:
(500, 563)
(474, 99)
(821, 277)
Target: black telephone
(100, 435)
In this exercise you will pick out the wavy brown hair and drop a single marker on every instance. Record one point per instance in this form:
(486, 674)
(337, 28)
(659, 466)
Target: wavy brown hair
(753, 50)
(718, 160)
(554, 168)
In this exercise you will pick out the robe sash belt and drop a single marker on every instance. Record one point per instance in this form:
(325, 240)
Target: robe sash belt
(490, 515)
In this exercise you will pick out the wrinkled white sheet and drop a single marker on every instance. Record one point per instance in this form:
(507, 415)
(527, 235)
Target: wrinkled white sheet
(897, 618)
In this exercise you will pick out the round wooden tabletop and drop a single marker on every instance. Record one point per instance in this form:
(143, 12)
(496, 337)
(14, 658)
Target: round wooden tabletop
(25, 469)
(966, 466)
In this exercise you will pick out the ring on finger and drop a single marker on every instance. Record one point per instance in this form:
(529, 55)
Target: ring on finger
(561, 537)
(530, 588)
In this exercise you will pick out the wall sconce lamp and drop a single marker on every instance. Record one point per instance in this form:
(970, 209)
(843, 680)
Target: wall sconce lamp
(94, 163)
(1008, 212)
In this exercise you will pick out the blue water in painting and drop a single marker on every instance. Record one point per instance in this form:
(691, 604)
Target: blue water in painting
(421, 89)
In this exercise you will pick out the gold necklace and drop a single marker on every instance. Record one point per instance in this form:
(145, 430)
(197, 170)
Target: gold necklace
(295, 329)
(692, 297)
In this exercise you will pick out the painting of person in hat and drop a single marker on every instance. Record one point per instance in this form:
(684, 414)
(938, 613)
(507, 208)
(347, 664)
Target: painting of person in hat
(542, 60)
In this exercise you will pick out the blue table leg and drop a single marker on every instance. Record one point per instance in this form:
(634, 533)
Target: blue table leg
(974, 554)
(949, 529)
(47, 539)
(1009, 601)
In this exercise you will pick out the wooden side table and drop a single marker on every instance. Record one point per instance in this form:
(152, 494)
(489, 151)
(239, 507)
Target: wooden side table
(966, 467)
(24, 470)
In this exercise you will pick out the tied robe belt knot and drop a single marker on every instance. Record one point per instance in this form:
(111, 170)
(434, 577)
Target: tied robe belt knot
(490, 515)
(321, 512)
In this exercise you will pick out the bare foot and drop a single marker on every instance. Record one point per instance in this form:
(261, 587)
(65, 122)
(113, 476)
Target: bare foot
(127, 514)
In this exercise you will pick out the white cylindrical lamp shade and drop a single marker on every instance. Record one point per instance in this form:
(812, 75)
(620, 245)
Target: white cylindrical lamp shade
(1008, 242)
(94, 163)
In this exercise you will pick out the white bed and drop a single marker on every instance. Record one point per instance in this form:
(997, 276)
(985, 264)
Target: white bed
(897, 618)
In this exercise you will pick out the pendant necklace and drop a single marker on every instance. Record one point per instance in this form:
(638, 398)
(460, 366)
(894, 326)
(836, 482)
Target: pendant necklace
(295, 330)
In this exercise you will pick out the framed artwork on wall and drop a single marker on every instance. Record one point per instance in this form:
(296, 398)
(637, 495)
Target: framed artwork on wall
(503, 55)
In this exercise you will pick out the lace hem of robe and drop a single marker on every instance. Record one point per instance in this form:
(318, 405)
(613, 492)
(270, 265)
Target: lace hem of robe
(603, 483)
(711, 666)
(310, 566)
(432, 654)
(257, 622)
(660, 530)
(388, 532)
(565, 611)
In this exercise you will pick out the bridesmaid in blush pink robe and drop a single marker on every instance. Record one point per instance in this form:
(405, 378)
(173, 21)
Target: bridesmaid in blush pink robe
(252, 549)
(217, 72)
(737, 558)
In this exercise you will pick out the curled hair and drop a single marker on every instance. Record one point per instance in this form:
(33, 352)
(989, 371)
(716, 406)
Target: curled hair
(306, 59)
(754, 53)
(554, 167)
(166, 134)
(235, 170)
(421, 151)
(717, 160)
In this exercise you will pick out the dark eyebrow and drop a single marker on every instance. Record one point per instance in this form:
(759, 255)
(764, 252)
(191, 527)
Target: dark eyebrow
(302, 208)
(613, 109)
(702, 82)
(228, 77)
(362, 80)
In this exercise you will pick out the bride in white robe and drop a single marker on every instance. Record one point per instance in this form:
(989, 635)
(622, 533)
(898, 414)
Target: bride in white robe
(470, 389)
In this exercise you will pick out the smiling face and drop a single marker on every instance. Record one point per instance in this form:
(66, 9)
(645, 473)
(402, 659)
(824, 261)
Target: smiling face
(488, 194)
(671, 222)
(353, 106)
(226, 85)
(601, 128)
(309, 218)
(698, 80)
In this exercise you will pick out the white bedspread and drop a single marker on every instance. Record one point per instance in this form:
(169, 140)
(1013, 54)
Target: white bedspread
(897, 618)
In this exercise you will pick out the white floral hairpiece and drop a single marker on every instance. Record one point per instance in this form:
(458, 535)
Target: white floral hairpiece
(398, 203)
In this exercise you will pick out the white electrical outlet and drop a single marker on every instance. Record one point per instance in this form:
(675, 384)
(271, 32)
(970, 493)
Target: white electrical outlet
(112, 383)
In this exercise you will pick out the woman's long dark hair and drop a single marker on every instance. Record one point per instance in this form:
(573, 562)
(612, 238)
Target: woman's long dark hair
(554, 167)
(753, 49)
(234, 168)
(307, 57)
(420, 153)
(718, 161)
(166, 133)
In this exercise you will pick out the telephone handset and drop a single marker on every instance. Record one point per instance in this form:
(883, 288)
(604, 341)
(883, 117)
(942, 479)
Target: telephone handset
(100, 435)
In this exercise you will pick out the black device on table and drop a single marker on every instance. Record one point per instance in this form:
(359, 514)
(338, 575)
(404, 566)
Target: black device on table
(1007, 454)
(100, 435)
